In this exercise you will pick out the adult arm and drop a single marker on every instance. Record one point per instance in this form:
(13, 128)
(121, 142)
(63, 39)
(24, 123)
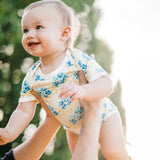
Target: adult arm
(87, 145)
(33, 148)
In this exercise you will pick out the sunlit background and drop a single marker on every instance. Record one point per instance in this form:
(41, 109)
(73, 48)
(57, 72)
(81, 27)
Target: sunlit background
(132, 29)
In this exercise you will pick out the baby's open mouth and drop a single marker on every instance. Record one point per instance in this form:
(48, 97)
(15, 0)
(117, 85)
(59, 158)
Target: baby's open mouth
(33, 43)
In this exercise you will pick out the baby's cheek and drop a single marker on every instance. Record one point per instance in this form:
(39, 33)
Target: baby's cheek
(24, 43)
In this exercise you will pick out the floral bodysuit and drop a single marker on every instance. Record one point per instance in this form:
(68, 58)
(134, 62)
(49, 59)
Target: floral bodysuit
(49, 86)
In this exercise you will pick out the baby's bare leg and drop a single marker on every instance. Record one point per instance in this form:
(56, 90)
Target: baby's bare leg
(72, 139)
(111, 139)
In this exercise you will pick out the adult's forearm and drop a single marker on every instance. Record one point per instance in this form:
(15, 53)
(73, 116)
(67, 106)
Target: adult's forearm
(33, 148)
(87, 145)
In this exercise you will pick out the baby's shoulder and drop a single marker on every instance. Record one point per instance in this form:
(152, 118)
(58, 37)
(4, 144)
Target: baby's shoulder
(79, 55)
(32, 70)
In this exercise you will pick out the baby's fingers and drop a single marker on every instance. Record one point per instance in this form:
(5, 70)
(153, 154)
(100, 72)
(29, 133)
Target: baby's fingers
(70, 93)
(64, 91)
(76, 96)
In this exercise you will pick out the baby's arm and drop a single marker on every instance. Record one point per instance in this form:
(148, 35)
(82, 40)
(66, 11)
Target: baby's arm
(95, 90)
(17, 122)
(100, 88)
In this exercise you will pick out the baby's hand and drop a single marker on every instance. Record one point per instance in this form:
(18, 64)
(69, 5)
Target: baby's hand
(75, 91)
(4, 136)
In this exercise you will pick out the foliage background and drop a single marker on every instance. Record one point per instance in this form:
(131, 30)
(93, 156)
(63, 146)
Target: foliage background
(14, 62)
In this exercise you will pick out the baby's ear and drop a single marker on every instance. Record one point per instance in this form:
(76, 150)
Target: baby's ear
(66, 33)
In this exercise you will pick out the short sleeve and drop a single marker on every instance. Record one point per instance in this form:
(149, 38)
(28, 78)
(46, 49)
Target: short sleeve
(25, 94)
(94, 70)
(90, 67)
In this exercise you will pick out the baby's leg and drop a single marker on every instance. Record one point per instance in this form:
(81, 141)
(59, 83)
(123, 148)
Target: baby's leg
(72, 139)
(111, 139)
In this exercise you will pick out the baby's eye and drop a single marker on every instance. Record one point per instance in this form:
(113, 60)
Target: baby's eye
(39, 27)
(25, 30)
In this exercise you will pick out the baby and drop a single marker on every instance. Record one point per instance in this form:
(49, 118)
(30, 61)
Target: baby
(48, 33)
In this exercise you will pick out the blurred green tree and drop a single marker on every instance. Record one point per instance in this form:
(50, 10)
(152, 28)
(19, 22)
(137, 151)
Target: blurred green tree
(14, 62)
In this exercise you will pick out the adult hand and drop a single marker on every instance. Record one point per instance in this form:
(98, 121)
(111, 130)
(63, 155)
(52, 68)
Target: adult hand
(43, 104)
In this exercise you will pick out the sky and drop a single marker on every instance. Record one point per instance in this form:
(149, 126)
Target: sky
(132, 29)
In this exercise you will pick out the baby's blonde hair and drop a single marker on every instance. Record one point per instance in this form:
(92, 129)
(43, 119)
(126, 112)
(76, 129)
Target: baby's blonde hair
(68, 17)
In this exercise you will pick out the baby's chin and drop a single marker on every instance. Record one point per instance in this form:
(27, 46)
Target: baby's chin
(35, 54)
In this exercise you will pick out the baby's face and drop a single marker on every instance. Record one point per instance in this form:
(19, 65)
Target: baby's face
(42, 31)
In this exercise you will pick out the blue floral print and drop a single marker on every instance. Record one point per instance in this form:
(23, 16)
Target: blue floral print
(25, 87)
(38, 78)
(53, 111)
(105, 105)
(34, 66)
(44, 92)
(103, 116)
(75, 75)
(76, 116)
(83, 66)
(60, 75)
(84, 55)
(64, 102)
(69, 63)
(72, 56)
(59, 79)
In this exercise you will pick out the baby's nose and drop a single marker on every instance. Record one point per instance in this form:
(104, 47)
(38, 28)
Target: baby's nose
(31, 34)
